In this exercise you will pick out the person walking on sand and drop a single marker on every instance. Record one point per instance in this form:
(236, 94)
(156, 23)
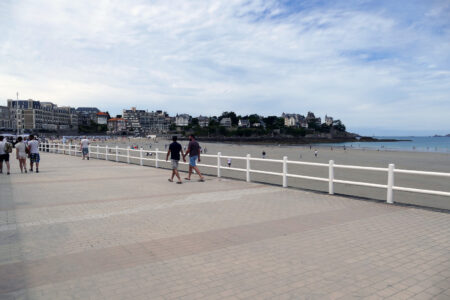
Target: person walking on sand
(174, 151)
(194, 154)
(264, 154)
(315, 153)
(33, 148)
(21, 154)
(4, 154)
(84, 147)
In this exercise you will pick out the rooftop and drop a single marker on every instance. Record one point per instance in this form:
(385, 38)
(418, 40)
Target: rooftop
(100, 229)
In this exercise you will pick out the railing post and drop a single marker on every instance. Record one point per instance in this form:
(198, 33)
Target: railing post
(106, 152)
(70, 149)
(98, 150)
(247, 171)
(331, 178)
(117, 153)
(156, 158)
(128, 155)
(141, 155)
(218, 164)
(390, 184)
(89, 151)
(285, 171)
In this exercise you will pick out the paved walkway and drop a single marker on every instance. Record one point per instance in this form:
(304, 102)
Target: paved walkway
(105, 230)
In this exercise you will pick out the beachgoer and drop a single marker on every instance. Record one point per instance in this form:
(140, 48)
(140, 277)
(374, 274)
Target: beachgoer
(174, 151)
(33, 148)
(229, 162)
(264, 154)
(84, 147)
(206, 150)
(5, 148)
(315, 153)
(194, 154)
(21, 154)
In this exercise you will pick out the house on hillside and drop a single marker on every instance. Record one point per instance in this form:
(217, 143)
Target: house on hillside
(244, 123)
(182, 120)
(225, 122)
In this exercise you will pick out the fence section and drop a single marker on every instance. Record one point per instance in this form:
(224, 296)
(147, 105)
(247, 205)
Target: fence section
(139, 156)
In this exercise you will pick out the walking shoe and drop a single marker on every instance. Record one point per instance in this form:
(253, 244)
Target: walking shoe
(7, 173)
(37, 171)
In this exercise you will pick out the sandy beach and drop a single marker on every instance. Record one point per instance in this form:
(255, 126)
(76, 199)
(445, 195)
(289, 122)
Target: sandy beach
(439, 162)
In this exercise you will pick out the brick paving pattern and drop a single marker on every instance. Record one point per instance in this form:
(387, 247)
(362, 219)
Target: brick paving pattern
(104, 230)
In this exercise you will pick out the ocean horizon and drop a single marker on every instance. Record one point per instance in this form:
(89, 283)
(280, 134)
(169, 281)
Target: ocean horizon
(413, 143)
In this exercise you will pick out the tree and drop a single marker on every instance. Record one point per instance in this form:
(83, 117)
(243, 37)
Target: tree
(274, 122)
(253, 119)
(324, 128)
(339, 126)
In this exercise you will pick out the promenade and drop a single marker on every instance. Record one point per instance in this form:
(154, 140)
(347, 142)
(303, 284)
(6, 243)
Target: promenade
(105, 230)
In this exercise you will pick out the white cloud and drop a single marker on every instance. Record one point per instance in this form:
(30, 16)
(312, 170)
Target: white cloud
(365, 65)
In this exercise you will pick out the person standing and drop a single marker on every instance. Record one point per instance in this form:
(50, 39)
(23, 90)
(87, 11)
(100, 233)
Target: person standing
(33, 148)
(194, 155)
(84, 147)
(264, 154)
(174, 151)
(315, 153)
(4, 154)
(229, 162)
(21, 154)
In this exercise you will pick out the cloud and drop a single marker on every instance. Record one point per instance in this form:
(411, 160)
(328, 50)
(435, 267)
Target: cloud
(370, 63)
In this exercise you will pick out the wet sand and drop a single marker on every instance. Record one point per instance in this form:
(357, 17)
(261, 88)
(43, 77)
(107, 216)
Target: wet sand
(439, 162)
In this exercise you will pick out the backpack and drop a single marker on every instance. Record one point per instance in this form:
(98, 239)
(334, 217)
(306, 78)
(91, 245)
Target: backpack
(8, 147)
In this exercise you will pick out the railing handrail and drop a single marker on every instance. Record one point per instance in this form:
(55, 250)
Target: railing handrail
(391, 170)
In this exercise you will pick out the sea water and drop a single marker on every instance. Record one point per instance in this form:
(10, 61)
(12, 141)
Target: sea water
(414, 143)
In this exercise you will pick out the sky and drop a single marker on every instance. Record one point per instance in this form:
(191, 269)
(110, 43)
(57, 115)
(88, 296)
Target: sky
(382, 67)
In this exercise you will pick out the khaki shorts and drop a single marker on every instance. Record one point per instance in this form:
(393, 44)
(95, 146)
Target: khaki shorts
(174, 164)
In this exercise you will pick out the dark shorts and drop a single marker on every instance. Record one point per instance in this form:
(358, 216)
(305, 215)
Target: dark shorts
(4, 157)
(85, 151)
(35, 158)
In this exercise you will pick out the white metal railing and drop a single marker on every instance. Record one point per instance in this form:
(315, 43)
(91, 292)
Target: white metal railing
(115, 153)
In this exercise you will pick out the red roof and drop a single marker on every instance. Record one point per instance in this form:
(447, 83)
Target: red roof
(116, 119)
(102, 114)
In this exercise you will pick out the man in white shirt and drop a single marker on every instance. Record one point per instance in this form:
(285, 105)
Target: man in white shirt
(4, 156)
(84, 147)
(33, 148)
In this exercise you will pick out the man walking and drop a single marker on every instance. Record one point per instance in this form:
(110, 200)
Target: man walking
(33, 148)
(194, 154)
(84, 147)
(4, 154)
(174, 151)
